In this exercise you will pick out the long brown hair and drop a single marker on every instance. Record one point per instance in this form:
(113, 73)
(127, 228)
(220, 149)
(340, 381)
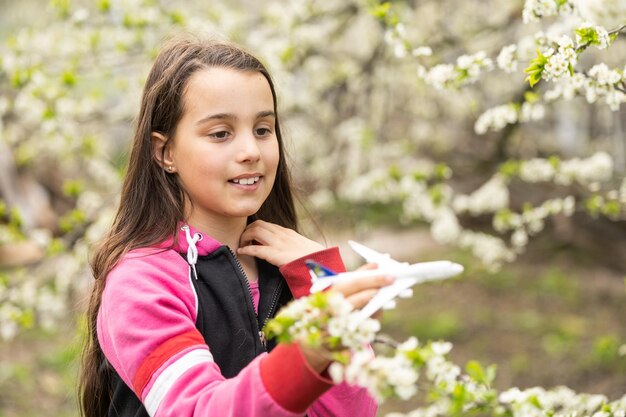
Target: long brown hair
(151, 202)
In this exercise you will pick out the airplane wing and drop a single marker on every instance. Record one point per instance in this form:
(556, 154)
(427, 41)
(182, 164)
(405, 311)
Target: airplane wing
(383, 260)
(385, 296)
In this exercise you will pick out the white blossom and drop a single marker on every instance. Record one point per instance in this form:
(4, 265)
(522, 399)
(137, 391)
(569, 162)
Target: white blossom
(536, 170)
(531, 112)
(473, 65)
(441, 76)
(560, 62)
(445, 228)
(519, 238)
(422, 51)
(490, 197)
(496, 118)
(507, 58)
(491, 250)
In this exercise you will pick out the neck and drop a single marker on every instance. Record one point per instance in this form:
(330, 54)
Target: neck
(226, 231)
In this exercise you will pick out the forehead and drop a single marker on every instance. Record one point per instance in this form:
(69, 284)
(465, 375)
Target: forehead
(226, 90)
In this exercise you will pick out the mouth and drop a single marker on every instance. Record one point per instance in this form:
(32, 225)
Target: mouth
(245, 180)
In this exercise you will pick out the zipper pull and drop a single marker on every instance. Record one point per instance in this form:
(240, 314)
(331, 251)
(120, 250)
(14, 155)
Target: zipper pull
(263, 338)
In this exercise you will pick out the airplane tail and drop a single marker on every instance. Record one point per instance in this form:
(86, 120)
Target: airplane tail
(318, 270)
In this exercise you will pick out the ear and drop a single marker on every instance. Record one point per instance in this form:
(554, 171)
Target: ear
(161, 152)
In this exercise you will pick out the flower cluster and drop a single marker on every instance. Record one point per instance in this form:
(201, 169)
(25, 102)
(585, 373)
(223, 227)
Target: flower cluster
(382, 376)
(467, 70)
(507, 58)
(448, 389)
(584, 171)
(537, 9)
(423, 198)
(590, 34)
(604, 82)
(561, 61)
(492, 196)
(323, 319)
(498, 117)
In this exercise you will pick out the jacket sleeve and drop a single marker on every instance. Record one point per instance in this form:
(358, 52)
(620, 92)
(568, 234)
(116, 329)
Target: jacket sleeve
(341, 400)
(146, 328)
(296, 272)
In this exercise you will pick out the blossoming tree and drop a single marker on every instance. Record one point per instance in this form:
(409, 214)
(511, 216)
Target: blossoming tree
(388, 104)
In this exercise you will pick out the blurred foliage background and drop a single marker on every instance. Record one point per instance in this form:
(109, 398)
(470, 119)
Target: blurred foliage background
(70, 79)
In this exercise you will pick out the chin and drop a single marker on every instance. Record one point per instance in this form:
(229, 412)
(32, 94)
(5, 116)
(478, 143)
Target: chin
(245, 212)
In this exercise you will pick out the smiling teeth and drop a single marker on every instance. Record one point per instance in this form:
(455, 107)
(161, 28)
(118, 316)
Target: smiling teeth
(246, 181)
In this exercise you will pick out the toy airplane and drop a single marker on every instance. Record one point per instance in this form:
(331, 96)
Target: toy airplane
(406, 276)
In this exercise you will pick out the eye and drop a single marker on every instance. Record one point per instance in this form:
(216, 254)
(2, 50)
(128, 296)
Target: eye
(262, 131)
(221, 135)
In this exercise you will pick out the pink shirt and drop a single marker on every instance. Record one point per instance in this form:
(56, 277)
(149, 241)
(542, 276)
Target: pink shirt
(256, 295)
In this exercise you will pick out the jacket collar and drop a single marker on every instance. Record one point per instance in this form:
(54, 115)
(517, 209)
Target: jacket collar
(205, 245)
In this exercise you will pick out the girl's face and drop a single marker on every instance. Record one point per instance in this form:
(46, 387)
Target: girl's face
(225, 150)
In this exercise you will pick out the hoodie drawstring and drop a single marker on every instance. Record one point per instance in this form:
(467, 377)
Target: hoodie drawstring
(192, 250)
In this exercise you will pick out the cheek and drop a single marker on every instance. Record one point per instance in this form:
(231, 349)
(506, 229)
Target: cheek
(273, 156)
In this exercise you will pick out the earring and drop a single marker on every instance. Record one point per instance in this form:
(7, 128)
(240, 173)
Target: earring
(170, 168)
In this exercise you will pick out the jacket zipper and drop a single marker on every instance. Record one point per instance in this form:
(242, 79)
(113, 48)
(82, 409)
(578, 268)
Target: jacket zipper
(277, 292)
(262, 338)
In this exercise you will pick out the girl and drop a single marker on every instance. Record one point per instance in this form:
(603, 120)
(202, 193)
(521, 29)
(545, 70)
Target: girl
(202, 252)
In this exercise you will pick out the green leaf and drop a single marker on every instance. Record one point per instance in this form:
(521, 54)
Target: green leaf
(436, 194)
(588, 36)
(611, 208)
(442, 171)
(535, 402)
(177, 18)
(71, 220)
(485, 376)
(73, 188)
(394, 173)
(475, 370)
(510, 168)
(62, 7)
(459, 396)
(594, 204)
(554, 161)
(55, 247)
(104, 5)
(68, 78)
(16, 218)
(531, 97)
(419, 176)
(380, 11)
(535, 69)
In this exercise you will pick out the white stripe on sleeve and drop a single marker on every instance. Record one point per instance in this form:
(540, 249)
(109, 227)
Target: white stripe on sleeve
(170, 375)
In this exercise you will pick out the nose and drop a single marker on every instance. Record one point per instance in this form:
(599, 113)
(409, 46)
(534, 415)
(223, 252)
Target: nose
(248, 149)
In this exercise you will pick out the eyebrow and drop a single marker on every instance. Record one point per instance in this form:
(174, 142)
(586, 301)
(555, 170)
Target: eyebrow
(221, 116)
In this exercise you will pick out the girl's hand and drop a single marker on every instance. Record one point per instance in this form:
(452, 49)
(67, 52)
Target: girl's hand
(276, 244)
(359, 291)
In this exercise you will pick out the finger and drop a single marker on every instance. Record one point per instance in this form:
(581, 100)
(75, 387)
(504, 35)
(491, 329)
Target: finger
(355, 285)
(257, 251)
(367, 266)
(360, 299)
(256, 232)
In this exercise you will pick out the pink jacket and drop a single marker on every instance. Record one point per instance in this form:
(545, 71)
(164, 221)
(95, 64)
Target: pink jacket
(147, 330)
